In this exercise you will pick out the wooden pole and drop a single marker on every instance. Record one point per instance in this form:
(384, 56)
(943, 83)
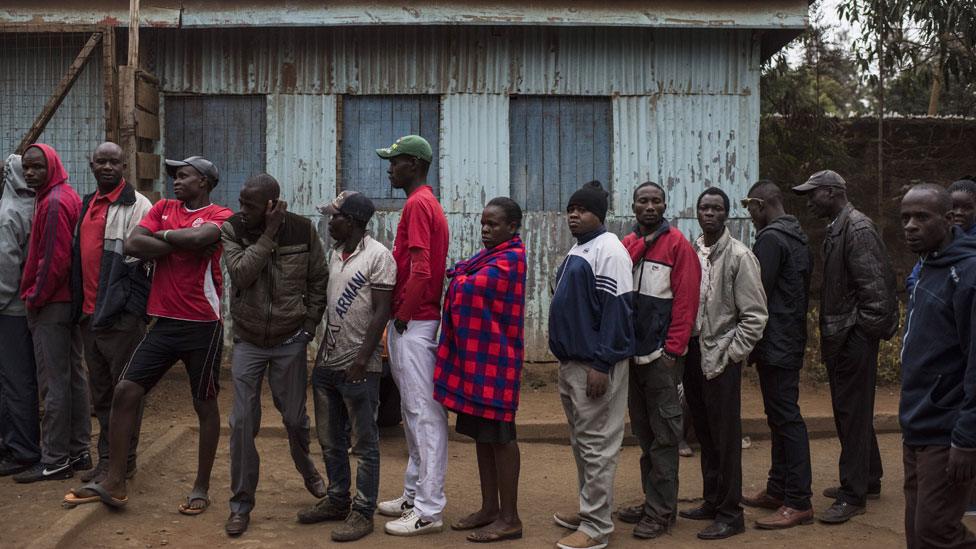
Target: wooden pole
(60, 92)
(127, 100)
(110, 79)
(133, 60)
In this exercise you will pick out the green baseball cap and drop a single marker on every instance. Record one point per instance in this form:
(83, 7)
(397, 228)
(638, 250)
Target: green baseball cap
(412, 145)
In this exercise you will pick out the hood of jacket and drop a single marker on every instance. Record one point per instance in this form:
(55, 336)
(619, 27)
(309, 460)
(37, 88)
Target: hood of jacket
(16, 213)
(16, 195)
(13, 179)
(962, 246)
(787, 225)
(56, 174)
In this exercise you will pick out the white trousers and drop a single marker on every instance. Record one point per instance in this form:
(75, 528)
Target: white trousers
(412, 357)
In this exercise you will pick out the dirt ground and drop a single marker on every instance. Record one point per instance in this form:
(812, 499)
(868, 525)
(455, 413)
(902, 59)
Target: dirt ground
(547, 484)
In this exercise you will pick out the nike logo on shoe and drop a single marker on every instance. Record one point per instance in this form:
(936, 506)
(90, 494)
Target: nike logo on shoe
(421, 523)
(58, 469)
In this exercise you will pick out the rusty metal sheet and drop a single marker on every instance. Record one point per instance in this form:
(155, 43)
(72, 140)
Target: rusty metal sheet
(532, 61)
(474, 151)
(686, 143)
(301, 149)
(774, 14)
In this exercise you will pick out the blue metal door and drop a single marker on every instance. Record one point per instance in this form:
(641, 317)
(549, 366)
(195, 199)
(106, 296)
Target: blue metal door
(556, 145)
(370, 122)
(228, 130)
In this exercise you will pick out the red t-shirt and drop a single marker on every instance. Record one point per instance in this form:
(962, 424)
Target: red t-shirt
(185, 285)
(91, 240)
(422, 227)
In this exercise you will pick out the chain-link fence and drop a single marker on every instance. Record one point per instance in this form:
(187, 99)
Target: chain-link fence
(31, 65)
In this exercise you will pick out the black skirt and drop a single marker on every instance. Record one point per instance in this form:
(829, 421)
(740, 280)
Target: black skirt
(487, 431)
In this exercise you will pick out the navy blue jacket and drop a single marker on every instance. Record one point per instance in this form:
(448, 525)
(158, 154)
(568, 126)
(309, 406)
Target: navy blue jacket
(938, 357)
(913, 276)
(590, 317)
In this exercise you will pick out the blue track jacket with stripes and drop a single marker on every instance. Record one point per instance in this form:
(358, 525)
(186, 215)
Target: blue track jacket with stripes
(590, 318)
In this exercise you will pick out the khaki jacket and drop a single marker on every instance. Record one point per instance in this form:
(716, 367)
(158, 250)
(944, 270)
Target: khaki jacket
(734, 315)
(278, 287)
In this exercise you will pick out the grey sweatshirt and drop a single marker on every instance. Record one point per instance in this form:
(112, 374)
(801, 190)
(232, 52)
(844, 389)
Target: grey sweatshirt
(16, 213)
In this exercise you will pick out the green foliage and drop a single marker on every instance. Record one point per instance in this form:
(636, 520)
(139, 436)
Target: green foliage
(933, 42)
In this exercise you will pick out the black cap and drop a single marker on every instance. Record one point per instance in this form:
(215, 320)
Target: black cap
(203, 166)
(350, 203)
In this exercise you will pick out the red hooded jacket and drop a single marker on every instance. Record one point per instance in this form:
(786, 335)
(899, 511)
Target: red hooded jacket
(57, 207)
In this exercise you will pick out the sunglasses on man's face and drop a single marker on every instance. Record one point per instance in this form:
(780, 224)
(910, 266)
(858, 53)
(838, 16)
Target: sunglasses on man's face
(757, 201)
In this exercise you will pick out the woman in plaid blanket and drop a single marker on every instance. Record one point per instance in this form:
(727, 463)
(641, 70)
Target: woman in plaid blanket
(479, 365)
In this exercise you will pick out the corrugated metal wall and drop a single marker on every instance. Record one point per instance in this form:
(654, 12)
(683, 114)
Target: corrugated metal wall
(301, 148)
(31, 65)
(538, 61)
(685, 113)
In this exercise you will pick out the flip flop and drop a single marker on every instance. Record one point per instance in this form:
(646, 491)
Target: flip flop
(107, 498)
(483, 536)
(74, 497)
(195, 495)
(461, 525)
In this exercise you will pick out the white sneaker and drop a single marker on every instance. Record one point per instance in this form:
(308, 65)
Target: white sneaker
(410, 524)
(394, 507)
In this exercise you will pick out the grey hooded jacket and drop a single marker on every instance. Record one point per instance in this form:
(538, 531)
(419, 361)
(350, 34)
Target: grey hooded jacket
(16, 213)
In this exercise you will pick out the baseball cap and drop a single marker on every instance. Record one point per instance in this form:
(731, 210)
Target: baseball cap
(198, 163)
(412, 145)
(351, 203)
(824, 178)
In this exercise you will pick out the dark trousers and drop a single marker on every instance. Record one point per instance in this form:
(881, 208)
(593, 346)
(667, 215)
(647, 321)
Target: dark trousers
(716, 410)
(107, 351)
(346, 412)
(66, 424)
(655, 418)
(20, 427)
(853, 374)
(934, 505)
(789, 474)
(286, 368)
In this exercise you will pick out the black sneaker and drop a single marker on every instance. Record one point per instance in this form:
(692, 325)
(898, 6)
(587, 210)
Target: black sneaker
(46, 471)
(322, 511)
(82, 462)
(9, 466)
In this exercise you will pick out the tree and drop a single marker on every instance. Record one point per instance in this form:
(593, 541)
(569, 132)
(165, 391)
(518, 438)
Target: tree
(933, 40)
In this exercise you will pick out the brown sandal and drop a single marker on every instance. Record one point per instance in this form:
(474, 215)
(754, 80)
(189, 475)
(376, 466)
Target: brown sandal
(490, 536)
(462, 525)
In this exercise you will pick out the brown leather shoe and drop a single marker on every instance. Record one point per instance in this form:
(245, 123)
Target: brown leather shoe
(579, 540)
(785, 517)
(762, 500)
(567, 520)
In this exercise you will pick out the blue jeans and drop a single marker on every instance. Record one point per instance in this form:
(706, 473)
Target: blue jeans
(343, 410)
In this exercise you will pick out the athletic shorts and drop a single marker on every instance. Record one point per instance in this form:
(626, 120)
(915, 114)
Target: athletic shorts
(199, 345)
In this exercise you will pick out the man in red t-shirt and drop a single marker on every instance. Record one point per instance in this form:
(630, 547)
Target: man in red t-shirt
(420, 252)
(182, 236)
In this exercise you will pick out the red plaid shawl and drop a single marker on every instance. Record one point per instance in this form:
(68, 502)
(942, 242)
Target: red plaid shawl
(479, 358)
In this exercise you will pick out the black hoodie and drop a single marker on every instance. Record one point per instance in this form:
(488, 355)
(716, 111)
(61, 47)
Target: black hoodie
(786, 262)
(938, 357)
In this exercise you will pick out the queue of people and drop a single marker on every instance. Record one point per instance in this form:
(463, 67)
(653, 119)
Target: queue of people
(135, 287)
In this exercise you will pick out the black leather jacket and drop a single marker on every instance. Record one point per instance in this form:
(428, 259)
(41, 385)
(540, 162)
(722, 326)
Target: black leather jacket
(858, 283)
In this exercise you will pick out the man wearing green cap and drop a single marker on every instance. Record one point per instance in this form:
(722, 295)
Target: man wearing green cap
(420, 252)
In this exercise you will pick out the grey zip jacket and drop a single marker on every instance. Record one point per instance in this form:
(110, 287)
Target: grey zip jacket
(16, 213)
